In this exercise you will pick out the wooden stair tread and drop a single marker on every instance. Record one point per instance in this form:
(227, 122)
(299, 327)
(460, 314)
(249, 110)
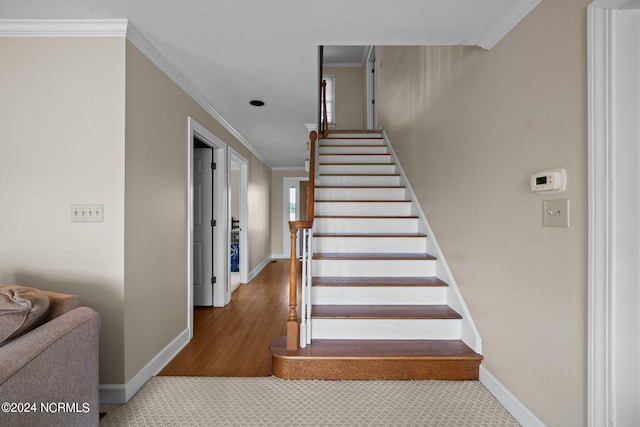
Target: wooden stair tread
(357, 164)
(359, 174)
(352, 145)
(357, 235)
(384, 312)
(378, 281)
(354, 154)
(423, 349)
(362, 201)
(373, 256)
(360, 186)
(376, 360)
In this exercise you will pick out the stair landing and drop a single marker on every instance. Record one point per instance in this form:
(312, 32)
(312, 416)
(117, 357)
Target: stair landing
(376, 360)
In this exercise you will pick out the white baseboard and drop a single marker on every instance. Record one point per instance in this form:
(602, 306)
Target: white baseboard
(279, 256)
(112, 394)
(259, 268)
(516, 408)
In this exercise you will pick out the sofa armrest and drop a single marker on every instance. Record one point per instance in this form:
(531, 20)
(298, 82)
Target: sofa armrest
(55, 363)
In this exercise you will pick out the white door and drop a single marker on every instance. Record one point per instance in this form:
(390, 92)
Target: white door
(203, 277)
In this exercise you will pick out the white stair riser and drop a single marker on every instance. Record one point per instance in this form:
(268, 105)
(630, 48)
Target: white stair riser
(352, 193)
(373, 268)
(347, 158)
(370, 244)
(382, 329)
(355, 180)
(363, 208)
(366, 225)
(379, 295)
(355, 149)
(362, 168)
(352, 137)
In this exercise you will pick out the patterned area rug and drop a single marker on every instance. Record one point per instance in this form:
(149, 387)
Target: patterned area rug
(270, 401)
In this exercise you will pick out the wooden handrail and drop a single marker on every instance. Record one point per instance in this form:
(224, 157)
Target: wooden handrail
(313, 136)
(293, 321)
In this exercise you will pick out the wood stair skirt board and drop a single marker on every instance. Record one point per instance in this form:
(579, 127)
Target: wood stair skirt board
(379, 310)
(377, 360)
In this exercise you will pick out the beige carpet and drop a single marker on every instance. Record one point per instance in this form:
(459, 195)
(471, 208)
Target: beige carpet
(200, 401)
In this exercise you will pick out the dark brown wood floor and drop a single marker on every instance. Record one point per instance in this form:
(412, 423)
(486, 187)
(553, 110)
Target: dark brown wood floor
(233, 341)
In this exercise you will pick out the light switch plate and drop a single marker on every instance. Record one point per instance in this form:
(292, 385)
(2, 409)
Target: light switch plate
(555, 213)
(87, 213)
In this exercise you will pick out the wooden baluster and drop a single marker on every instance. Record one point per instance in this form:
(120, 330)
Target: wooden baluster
(293, 326)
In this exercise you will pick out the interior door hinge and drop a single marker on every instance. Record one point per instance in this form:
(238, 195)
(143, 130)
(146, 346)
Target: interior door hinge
(213, 165)
(213, 280)
(213, 222)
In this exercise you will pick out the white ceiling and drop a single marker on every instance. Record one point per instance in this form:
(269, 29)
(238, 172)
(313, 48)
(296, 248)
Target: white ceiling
(233, 51)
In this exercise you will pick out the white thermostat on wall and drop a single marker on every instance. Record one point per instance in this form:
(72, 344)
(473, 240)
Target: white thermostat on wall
(550, 181)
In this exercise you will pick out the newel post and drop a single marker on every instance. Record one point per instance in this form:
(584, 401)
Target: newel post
(293, 325)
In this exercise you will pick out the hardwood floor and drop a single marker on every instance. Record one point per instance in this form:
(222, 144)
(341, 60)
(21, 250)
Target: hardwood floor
(233, 341)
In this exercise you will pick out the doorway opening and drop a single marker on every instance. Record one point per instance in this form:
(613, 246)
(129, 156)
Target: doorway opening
(202, 142)
(294, 195)
(239, 214)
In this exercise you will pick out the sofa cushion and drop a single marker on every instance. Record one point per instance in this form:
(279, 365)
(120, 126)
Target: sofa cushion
(21, 309)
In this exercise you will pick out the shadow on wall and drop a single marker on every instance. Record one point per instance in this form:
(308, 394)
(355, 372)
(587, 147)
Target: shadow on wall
(102, 296)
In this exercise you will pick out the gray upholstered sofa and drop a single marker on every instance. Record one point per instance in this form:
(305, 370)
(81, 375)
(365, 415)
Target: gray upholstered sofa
(49, 374)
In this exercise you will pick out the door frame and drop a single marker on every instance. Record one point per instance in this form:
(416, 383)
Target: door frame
(606, 180)
(220, 214)
(243, 198)
(287, 182)
(371, 90)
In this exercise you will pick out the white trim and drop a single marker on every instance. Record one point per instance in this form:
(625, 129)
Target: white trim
(63, 27)
(221, 295)
(470, 334)
(280, 256)
(146, 47)
(370, 88)
(259, 268)
(118, 394)
(117, 28)
(287, 182)
(516, 408)
(521, 9)
(599, 226)
(244, 212)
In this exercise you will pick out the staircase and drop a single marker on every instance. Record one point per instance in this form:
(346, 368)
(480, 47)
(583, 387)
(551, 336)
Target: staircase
(379, 307)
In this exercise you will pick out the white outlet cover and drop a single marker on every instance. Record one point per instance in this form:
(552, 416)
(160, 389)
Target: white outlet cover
(555, 213)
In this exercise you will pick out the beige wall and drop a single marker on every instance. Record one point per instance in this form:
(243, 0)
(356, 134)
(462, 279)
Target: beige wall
(349, 96)
(259, 212)
(62, 107)
(277, 214)
(71, 133)
(470, 127)
(157, 181)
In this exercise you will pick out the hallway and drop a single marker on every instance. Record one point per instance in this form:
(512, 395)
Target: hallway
(233, 341)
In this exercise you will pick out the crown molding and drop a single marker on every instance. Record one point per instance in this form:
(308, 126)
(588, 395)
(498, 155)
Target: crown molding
(63, 27)
(118, 28)
(151, 52)
(289, 168)
(507, 23)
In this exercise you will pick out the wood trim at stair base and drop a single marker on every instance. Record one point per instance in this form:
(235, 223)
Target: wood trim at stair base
(291, 368)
